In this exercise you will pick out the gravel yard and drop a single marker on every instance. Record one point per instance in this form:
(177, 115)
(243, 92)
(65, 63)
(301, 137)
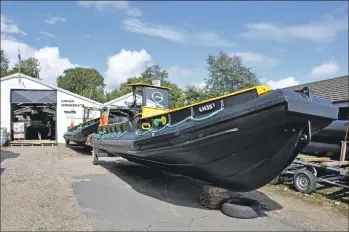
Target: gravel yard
(58, 188)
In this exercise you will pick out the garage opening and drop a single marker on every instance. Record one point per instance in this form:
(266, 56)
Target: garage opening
(33, 116)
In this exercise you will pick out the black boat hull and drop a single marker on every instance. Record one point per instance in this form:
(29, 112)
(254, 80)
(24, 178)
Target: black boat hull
(242, 148)
(330, 150)
(334, 133)
(327, 142)
(80, 136)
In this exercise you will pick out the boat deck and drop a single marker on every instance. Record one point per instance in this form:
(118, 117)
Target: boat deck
(33, 143)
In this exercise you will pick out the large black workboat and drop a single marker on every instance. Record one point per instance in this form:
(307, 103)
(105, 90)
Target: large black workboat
(239, 141)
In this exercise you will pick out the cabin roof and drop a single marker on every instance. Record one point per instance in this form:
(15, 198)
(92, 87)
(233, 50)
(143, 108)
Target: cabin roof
(147, 85)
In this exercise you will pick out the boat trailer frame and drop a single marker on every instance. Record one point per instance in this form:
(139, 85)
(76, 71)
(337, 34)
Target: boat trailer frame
(307, 174)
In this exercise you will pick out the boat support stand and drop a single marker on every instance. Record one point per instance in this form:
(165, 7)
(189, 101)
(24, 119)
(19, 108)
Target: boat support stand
(96, 153)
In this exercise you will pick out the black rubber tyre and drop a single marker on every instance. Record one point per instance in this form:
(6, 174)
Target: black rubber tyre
(66, 142)
(304, 181)
(275, 181)
(241, 208)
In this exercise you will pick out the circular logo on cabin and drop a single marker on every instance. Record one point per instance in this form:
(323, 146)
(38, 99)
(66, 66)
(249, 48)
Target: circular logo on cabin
(157, 97)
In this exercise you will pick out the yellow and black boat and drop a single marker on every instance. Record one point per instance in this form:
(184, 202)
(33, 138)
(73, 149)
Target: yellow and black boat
(239, 141)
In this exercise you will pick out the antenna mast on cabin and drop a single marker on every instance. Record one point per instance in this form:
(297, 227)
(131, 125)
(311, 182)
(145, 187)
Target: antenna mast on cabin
(19, 61)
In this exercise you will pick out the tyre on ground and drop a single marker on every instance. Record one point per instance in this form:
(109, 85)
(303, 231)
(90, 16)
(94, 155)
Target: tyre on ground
(242, 208)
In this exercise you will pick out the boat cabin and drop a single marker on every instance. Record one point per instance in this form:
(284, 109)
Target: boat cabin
(151, 95)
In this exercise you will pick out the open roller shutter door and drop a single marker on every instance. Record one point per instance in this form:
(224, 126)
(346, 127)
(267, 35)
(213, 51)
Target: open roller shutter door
(34, 96)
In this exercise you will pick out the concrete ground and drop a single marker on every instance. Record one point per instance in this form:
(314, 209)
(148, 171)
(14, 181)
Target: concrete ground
(58, 188)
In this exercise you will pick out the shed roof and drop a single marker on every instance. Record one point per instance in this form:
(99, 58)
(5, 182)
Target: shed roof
(119, 99)
(334, 89)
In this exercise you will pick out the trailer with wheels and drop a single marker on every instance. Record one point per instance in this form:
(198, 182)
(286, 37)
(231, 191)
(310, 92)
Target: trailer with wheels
(307, 171)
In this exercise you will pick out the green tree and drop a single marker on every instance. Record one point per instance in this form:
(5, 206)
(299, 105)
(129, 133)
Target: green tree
(4, 64)
(30, 67)
(154, 72)
(191, 94)
(227, 74)
(175, 93)
(113, 95)
(86, 82)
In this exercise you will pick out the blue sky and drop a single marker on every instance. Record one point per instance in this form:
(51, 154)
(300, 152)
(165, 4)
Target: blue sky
(285, 43)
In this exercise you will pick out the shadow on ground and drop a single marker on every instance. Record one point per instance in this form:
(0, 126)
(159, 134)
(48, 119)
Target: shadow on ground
(168, 187)
(83, 150)
(7, 155)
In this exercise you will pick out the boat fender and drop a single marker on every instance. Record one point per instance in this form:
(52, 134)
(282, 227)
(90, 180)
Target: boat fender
(146, 126)
(161, 120)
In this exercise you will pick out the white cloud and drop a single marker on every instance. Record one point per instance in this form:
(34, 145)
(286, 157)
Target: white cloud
(210, 39)
(175, 70)
(134, 12)
(323, 30)
(124, 65)
(327, 69)
(9, 27)
(320, 50)
(175, 35)
(51, 64)
(87, 37)
(179, 75)
(165, 32)
(11, 46)
(47, 34)
(54, 20)
(119, 5)
(282, 83)
(201, 85)
(100, 5)
(256, 59)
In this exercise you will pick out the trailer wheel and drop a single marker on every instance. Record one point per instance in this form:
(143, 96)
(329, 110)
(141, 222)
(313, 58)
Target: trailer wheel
(275, 181)
(304, 181)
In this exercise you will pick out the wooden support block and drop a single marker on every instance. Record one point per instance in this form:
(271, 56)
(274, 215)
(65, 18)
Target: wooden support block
(302, 156)
(343, 151)
(335, 163)
(315, 159)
